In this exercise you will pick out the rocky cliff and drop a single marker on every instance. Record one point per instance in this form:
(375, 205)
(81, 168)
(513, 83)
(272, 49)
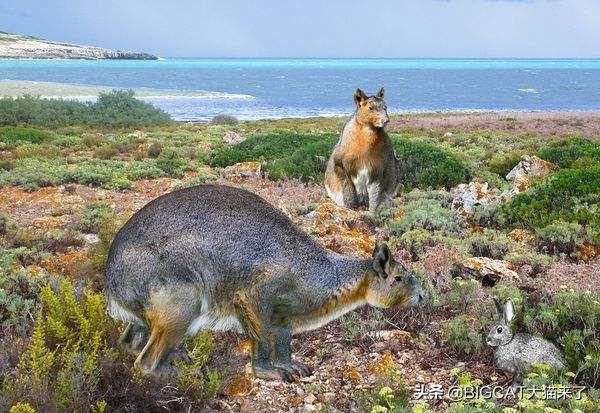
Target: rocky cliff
(13, 46)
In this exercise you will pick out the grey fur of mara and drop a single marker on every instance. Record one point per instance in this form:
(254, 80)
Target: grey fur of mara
(221, 258)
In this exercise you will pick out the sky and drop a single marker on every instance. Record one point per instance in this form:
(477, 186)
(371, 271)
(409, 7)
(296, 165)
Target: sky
(317, 28)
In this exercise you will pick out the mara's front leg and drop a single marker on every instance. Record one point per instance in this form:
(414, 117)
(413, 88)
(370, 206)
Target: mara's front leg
(271, 340)
(376, 195)
(282, 354)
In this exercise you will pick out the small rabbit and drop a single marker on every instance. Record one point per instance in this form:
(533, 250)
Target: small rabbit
(517, 352)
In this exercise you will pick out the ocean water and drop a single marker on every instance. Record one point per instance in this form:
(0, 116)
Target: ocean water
(274, 88)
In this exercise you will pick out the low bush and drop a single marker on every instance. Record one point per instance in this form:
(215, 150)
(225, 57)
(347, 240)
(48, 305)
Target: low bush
(570, 195)
(427, 215)
(490, 243)
(118, 108)
(171, 162)
(426, 165)
(284, 155)
(569, 153)
(491, 215)
(60, 367)
(95, 215)
(224, 120)
(561, 238)
(462, 293)
(503, 163)
(571, 319)
(16, 135)
(461, 337)
(529, 263)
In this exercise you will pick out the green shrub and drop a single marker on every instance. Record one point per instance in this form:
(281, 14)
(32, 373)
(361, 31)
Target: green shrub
(171, 163)
(118, 108)
(462, 293)
(530, 263)
(461, 337)
(561, 238)
(13, 135)
(62, 362)
(224, 120)
(491, 215)
(444, 198)
(569, 152)
(425, 165)
(284, 155)
(427, 215)
(195, 379)
(95, 215)
(503, 163)
(570, 195)
(490, 243)
(18, 291)
(572, 319)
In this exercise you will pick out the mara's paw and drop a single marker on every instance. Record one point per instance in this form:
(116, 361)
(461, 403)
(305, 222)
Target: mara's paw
(292, 371)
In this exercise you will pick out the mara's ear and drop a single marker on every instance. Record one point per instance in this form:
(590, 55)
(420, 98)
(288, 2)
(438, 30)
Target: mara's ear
(509, 310)
(499, 309)
(380, 93)
(359, 96)
(381, 258)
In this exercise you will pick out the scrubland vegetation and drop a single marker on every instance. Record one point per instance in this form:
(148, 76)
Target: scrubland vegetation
(72, 173)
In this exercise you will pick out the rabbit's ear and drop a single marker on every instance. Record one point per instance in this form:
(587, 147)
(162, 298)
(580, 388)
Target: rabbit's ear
(509, 310)
(499, 309)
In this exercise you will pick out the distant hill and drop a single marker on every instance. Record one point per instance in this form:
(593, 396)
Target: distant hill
(15, 46)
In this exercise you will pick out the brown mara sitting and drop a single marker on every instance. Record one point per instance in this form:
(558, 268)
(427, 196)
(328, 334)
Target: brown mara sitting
(362, 169)
(221, 258)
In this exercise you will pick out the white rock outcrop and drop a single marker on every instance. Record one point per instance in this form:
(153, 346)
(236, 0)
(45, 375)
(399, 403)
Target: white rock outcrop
(14, 46)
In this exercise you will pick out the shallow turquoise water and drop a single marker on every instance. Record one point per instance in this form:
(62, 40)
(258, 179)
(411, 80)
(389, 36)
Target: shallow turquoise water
(306, 87)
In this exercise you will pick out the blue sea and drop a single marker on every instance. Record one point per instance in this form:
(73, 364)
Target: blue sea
(275, 88)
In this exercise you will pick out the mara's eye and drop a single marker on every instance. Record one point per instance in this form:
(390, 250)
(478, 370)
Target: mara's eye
(398, 278)
(499, 329)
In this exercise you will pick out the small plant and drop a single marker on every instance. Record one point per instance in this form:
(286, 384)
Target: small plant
(194, 378)
(171, 163)
(95, 215)
(561, 238)
(529, 263)
(502, 164)
(61, 363)
(491, 215)
(462, 293)
(427, 215)
(426, 165)
(461, 337)
(224, 120)
(16, 135)
(569, 152)
(490, 243)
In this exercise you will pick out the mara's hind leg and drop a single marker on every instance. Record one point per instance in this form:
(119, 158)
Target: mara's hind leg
(169, 317)
(341, 189)
(134, 337)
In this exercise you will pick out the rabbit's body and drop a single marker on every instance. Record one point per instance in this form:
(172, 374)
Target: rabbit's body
(516, 353)
(524, 350)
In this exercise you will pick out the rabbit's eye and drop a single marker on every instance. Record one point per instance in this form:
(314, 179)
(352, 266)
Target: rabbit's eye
(499, 329)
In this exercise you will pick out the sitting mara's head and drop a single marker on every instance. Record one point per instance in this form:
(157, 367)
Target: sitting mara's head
(391, 283)
(371, 110)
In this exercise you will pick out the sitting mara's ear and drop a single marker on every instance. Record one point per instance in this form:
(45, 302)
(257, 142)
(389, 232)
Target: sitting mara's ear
(380, 93)
(509, 310)
(381, 259)
(359, 96)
